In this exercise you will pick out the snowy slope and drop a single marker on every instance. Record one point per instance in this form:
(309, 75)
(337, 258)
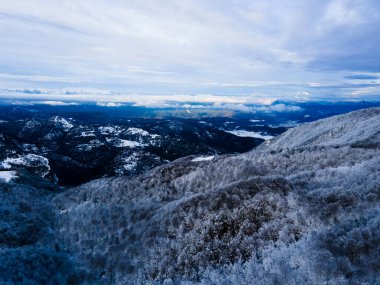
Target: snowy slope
(301, 209)
(349, 129)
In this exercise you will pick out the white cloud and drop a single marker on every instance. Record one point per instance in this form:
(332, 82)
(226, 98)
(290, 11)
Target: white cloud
(109, 104)
(277, 108)
(49, 102)
(109, 98)
(56, 103)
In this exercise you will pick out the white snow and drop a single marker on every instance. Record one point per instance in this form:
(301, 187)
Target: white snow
(337, 130)
(27, 160)
(89, 146)
(108, 130)
(31, 125)
(129, 164)
(243, 133)
(138, 131)
(128, 143)
(87, 134)
(124, 143)
(135, 131)
(6, 163)
(256, 121)
(62, 122)
(203, 158)
(29, 147)
(7, 175)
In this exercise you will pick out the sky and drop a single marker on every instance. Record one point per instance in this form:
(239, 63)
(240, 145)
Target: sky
(223, 51)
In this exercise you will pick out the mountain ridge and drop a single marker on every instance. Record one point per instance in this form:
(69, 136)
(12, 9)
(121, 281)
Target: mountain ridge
(274, 183)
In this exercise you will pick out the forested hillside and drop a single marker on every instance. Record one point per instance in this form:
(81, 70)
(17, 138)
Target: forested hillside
(300, 209)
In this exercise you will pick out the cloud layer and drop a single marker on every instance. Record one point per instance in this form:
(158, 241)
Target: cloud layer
(298, 50)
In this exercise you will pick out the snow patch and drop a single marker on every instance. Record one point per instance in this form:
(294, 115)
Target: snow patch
(62, 122)
(243, 133)
(29, 160)
(87, 134)
(138, 131)
(108, 130)
(123, 143)
(129, 164)
(203, 158)
(7, 175)
(30, 125)
(88, 147)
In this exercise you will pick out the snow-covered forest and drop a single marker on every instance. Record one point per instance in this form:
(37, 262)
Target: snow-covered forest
(302, 208)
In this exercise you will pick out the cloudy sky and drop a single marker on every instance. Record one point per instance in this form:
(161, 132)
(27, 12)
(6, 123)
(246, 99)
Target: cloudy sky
(231, 49)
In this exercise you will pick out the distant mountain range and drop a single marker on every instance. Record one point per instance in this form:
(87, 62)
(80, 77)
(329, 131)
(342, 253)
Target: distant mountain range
(69, 152)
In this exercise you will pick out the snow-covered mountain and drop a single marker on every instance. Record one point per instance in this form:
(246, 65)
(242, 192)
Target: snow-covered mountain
(302, 208)
(71, 152)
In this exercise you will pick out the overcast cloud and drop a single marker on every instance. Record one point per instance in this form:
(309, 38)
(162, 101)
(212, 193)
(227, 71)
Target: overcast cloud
(301, 50)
